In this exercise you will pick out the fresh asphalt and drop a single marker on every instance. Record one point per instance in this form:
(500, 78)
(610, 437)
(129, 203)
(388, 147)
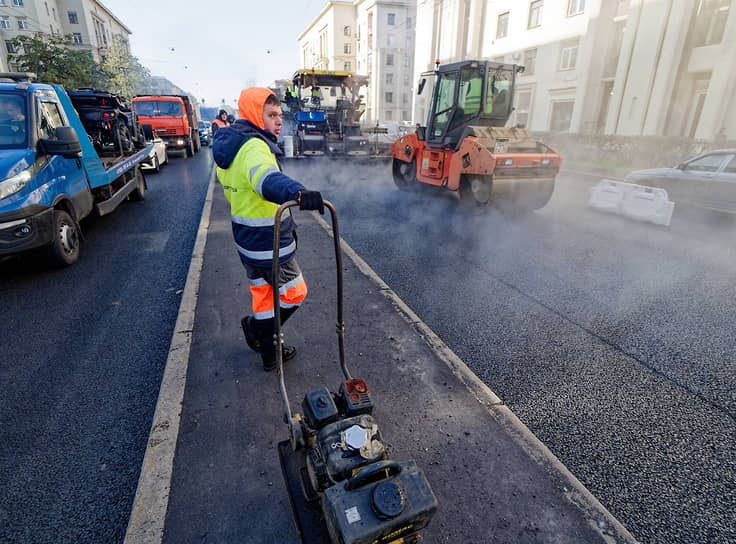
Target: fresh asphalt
(212, 474)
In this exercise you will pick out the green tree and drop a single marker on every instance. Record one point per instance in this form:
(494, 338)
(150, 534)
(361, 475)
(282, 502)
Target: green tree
(53, 61)
(128, 77)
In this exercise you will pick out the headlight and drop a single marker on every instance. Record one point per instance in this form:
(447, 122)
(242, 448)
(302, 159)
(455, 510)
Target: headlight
(546, 161)
(12, 185)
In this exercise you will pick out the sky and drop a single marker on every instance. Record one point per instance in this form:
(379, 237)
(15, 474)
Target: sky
(215, 48)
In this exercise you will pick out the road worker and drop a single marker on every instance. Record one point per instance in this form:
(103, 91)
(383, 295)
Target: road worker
(220, 122)
(246, 156)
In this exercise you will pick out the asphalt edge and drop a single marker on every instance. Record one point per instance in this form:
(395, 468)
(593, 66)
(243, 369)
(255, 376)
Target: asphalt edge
(600, 519)
(148, 514)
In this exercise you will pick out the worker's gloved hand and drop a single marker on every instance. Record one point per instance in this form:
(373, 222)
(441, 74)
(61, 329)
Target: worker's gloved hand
(311, 200)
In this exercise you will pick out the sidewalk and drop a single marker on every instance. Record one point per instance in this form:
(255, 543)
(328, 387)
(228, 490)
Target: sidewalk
(494, 480)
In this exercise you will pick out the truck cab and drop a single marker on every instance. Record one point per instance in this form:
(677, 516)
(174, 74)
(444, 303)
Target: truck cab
(172, 118)
(40, 167)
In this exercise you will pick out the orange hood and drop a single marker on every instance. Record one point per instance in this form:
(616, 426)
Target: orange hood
(251, 103)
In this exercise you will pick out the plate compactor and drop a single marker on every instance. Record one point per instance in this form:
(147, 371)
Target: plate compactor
(343, 487)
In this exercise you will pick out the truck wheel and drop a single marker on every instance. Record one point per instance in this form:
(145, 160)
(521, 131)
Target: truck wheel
(64, 249)
(139, 193)
(405, 173)
(475, 192)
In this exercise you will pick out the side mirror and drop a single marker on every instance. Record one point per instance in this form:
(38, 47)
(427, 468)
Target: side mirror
(66, 144)
(421, 85)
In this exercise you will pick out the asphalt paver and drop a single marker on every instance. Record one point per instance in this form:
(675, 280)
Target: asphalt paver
(495, 482)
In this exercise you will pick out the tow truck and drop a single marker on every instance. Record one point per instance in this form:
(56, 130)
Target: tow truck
(465, 145)
(52, 175)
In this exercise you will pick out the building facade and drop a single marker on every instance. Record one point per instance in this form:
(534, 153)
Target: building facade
(368, 37)
(618, 67)
(89, 24)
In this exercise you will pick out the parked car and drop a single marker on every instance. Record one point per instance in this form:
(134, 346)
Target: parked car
(205, 133)
(706, 181)
(157, 157)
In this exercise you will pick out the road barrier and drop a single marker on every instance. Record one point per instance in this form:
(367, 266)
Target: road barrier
(638, 202)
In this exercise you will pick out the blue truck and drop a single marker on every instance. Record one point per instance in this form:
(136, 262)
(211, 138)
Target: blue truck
(52, 175)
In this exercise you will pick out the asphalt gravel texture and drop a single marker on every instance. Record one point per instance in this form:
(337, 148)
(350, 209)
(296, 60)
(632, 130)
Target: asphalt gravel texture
(83, 353)
(612, 340)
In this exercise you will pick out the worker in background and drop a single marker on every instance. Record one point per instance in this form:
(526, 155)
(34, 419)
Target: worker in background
(248, 169)
(316, 96)
(230, 119)
(220, 122)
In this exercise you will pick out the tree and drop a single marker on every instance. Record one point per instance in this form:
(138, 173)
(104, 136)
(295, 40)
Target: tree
(127, 76)
(50, 58)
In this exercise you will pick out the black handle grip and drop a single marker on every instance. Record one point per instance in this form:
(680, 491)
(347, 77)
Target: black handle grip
(372, 473)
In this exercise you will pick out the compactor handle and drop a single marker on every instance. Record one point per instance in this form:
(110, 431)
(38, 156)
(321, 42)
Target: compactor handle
(372, 473)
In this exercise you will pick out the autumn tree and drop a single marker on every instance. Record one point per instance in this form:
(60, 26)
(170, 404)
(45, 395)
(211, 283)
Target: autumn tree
(127, 76)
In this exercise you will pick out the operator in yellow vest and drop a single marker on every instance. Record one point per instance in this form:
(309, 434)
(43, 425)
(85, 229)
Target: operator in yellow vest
(246, 155)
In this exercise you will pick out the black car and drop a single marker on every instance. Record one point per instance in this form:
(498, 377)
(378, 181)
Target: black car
(110, 123)
(707, 180)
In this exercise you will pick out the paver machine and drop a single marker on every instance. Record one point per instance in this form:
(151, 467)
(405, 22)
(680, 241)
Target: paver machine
(465, 145)
(322, 109)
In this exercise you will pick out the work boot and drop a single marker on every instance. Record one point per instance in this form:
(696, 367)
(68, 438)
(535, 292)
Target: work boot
(250, 335)
(269, 359)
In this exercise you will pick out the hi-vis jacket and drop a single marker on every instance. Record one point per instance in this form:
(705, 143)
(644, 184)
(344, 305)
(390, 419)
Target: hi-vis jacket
(255, 187)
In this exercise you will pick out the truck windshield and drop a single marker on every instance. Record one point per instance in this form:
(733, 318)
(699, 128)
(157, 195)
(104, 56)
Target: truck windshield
(13, 131)
(157, 107)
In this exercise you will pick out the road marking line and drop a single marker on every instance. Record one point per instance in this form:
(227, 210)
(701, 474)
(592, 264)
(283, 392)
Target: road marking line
(147, 517)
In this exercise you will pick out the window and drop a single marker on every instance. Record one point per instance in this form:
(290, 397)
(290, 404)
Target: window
(390, 97)
(406, 60)
(4, 23)
(568, 56)
(22, 23)
(730, 168)
(77, 38)
(710, 22)
(445, 97)
(73, 19)
(502, 28)
(535, 13)
(389, 115)
(18, 3)
(408, 22)
(392, 18)
(575, 7)
(346, 30)
(389, 78)
(407, 79)
(389, 59)
(709, 163)
(407, 44)
(347, 49)
(50, 119)
(390, 40)
(530, 62)
(561, 115)
(404, 98)
(347, 66)
(10, 47)
(523, 105)
(53, 11)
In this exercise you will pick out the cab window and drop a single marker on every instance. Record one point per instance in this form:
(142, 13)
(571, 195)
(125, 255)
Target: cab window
(13, 120)
(444, 104)
(498, 94)
(49, 119)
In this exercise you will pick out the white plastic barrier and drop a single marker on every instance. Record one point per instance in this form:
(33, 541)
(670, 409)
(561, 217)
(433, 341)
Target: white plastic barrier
(635, 201)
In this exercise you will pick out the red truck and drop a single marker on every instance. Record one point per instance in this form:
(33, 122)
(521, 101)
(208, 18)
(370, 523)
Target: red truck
(173, 118)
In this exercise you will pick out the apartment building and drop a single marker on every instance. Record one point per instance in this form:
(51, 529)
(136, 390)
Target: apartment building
(620, 67)
(89, 23)
(369, 37)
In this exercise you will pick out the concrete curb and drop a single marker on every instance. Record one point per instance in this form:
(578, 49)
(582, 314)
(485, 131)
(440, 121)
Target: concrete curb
(598, 516)
(146, 523)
